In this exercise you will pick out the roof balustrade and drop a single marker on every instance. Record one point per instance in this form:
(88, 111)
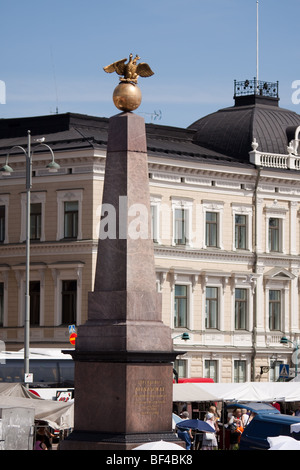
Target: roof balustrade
(290, 161)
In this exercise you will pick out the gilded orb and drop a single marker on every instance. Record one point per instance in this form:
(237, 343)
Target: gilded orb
(127, 96)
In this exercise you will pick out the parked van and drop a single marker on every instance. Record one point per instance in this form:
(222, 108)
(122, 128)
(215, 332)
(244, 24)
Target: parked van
(267, 422)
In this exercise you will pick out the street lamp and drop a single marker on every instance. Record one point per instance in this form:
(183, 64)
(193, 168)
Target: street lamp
(285, 340)
(184, 336)
(6, 170)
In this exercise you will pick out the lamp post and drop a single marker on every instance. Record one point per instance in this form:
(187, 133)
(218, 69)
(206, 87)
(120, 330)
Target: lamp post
(185, 336)
(285, 340)
(6, 170)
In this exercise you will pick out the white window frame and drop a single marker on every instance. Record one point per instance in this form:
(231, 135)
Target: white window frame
(239, 209)
(276, 213)
(247, 289)
(282, 280)
(189, 279)
(37, 273)
(40, 277)
(155, 204)
(282, 306)
(247, 367)
(66, 272)
(68, 196)
(188, 304)
(35, 198)
(248, 282)
(275, 367)
(217, 207)
(218, 366)
(185, 204)
(186, 363)
(209, 286)
(219, 281)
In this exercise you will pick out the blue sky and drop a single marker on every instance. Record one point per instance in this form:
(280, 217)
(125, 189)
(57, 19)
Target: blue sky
(53, 53)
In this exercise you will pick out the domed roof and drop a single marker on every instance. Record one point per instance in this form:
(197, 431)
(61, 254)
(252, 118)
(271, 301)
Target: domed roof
(231, 131)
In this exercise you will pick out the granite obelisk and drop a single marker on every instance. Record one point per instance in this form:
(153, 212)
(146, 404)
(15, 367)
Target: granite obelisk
(124, 352)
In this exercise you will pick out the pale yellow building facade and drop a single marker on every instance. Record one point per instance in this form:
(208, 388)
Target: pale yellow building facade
(226, 238)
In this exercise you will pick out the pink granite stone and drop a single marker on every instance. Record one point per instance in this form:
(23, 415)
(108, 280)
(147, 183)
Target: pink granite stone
(124, 352)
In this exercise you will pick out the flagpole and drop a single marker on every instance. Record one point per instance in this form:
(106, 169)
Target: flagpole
(257, 41)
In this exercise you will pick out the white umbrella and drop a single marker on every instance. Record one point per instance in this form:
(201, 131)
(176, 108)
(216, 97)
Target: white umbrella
(283, 443)
(175, 420)
(159, 445)
(295, 427)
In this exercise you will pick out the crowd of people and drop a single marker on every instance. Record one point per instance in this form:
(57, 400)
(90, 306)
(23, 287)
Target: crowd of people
(236, 422)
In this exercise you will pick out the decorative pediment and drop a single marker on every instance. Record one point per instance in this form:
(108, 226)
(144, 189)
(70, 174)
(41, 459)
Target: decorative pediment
(275, 210)
(279, 274)
(184, 274)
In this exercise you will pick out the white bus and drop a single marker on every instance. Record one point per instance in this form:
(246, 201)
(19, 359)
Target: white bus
(53, 371)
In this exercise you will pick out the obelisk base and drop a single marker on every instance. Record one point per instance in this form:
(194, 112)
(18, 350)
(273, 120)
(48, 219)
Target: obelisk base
(115, 442)
(120, 405)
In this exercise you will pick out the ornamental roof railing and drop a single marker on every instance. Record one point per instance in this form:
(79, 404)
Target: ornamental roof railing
(256, 87)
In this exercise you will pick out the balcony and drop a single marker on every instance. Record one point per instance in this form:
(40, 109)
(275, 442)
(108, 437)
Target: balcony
(290, 161)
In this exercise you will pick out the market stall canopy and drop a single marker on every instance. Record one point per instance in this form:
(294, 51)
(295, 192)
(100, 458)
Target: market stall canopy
(59, 415)
(248, 391)
(192, 392)
(16, 390)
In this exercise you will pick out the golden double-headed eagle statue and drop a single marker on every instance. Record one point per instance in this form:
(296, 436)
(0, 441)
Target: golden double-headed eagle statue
(130, 71)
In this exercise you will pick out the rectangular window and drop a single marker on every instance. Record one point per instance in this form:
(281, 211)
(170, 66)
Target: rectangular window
(1, 304)
(34, 292)
(180, 367)
(241, 302)
(2, 224)
(211, 229)
(241, 232)
(275, 370)
(212, 307)
(181, 306)
(69, 300)
(211, 370)
(180, 227)
(154, 223)
(71, 219)
(35, 221)
(239, 371)
(274, 234)
(275, 310)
